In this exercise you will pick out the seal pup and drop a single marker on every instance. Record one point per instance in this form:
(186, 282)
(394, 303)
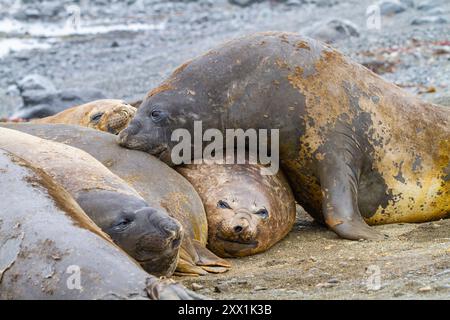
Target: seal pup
(105, 115)
(248, 212)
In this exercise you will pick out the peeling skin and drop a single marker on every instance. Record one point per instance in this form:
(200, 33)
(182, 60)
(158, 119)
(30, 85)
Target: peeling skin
(105, 115)
(342, 128)
(246, 190)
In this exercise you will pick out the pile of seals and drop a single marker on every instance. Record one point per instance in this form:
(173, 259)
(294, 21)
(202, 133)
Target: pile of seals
(354, 150)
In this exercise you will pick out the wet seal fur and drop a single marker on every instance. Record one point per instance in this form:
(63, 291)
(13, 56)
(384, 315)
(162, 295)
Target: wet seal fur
(107, 115)
(161, 187)
(45, 238)
(247, 212)
(356, 149)
(147, 234)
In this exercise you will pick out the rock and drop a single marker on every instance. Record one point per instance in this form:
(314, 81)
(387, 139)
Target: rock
(333, 281)
(35, 97)
(408, 3)
(196, 287)
(425, 289)
(426, 5)
(244, 3)
(390, 8)
(443, 100)
(259, 288)
(398, 294)
(379, 66)
(429, 19)
(13, 90)
(333, 30)
(36, 82)
(222, 287)
(42, 103)
(78, 96)
(325, 285)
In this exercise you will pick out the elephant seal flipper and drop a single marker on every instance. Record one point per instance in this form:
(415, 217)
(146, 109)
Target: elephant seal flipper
(339, 180)
(195, 259)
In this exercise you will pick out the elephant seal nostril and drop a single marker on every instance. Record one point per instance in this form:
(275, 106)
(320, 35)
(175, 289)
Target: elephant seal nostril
(238, 229)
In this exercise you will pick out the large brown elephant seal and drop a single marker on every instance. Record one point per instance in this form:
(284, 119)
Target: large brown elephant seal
(105, 115)
(147, 234)
(50, 249)
(356, 149)
(161, 187)
(247, 212)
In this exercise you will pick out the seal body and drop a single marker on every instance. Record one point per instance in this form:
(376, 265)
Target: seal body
(105, 115)
(160, 186)
(248, 212)
(147, 234)
(50, 249)
(355, 148)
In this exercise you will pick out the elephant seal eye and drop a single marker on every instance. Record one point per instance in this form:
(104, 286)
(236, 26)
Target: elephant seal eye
(122, 224)
(263, 213)
(223, 205)
(156, 115)
(96, 117)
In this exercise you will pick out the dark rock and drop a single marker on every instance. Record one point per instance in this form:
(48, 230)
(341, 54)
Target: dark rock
(408, 3)
(429, 20)
(244, 3)
(43, 103)
(426, 5)
(379, 66)
(36, 82)
(333, 30)
(390, 8)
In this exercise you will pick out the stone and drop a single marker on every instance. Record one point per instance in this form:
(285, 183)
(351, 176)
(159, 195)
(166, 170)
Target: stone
(334, 30)
(429, 20)
(390, 8)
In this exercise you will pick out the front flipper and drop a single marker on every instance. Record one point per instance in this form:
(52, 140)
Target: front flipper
(196, 260)
(208, 259)
(339, 171)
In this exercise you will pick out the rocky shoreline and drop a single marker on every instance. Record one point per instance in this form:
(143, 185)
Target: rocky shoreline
(122, 49)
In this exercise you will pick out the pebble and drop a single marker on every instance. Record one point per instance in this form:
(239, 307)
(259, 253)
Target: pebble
(259, 288)
(425, 289)
(196, 286)
(220, 288)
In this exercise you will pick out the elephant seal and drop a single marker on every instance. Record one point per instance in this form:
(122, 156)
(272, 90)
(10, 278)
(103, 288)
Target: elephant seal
(50, 249)
(247, 212)
(105, 115)
(161, 187)
(147, 234)
(356, 149)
